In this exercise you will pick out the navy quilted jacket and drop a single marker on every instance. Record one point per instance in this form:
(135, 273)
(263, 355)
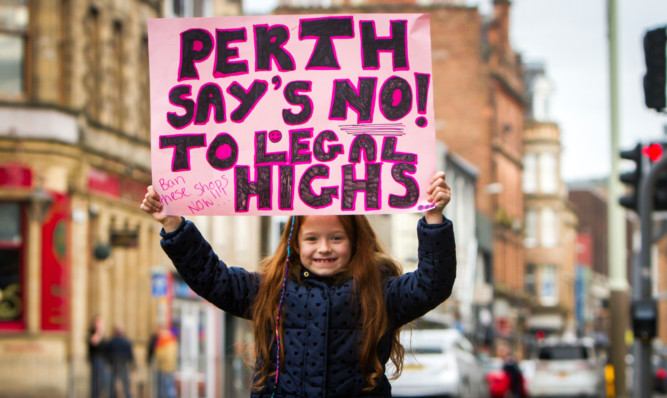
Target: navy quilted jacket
(320, 322)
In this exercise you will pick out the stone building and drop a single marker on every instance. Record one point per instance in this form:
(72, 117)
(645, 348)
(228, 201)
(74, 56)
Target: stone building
(551, 225)
(74, 164)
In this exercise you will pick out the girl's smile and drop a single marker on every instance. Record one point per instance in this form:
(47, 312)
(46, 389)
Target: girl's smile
(324, 247)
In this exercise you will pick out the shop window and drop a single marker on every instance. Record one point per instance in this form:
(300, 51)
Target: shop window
(11, 267)
(13, 45)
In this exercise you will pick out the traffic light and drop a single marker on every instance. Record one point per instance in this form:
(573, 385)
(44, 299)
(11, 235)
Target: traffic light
(644, 318)
(654, 79)
(633, 178)
(655, 152)
(660, 194)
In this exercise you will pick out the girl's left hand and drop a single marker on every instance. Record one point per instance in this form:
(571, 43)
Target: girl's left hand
(440, 194)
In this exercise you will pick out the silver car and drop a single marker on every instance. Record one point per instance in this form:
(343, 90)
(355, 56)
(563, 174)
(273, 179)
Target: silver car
(438, 363)
(567, 369)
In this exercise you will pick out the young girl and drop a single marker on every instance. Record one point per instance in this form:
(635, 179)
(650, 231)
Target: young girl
(328, 305)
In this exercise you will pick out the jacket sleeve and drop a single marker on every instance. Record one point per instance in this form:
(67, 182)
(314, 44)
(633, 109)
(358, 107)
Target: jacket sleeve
(413, 294)
(231, 289)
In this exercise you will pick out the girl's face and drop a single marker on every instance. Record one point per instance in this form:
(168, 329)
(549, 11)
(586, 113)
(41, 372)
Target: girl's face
(324, 247)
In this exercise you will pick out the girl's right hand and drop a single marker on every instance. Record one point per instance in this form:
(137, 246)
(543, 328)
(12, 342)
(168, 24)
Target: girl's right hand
(151, 205)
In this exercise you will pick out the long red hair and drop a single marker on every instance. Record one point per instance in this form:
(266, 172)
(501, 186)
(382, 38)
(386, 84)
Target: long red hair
(368, 264)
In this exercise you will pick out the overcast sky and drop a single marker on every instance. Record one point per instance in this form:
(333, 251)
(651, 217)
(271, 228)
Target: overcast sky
(570, 38)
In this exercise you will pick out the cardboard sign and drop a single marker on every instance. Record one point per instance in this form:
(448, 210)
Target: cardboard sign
(292, 114)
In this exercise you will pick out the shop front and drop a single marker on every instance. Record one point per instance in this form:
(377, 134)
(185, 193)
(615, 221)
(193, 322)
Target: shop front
(198, 327)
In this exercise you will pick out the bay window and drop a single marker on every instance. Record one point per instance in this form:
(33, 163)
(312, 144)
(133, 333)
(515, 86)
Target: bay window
(13, 45)
(548, 173)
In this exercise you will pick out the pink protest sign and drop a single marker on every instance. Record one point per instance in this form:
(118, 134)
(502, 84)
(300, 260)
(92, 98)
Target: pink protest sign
(292, 114)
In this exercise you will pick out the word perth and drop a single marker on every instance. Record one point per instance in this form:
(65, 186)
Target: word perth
(197, 45)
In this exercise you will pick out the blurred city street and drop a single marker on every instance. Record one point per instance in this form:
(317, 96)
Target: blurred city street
(547, 118)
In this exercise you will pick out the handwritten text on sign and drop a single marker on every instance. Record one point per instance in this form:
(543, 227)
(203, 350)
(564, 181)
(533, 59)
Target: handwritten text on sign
(307, 114)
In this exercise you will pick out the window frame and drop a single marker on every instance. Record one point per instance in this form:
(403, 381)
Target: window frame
(118, 45)
(24, 34)
(549, 276)
(530, 173)
(93, 54)
(531, 228)
(549, 229)
(548, 173)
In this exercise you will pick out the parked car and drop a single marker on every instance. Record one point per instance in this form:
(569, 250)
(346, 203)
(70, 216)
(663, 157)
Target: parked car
(567, 369)
(527, 367)
(438, 362)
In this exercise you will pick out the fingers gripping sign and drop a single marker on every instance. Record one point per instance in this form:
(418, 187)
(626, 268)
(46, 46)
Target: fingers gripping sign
(152, 205)
(439, 194)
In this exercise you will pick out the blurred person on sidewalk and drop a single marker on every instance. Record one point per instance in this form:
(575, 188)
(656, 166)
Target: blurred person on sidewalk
(121, 359)
(97, 356)
(166, 356)
(513, 372)
(150, 361)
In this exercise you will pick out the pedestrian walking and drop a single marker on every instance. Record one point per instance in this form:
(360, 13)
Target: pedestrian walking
(166, 356)
(513, 371)
(121, 361)
(328, 305)
(150, 361)
(97, 357)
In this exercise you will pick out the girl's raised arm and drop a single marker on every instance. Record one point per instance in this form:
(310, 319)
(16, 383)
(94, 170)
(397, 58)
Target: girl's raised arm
(411, 295)
(229, 288)
(441, 194)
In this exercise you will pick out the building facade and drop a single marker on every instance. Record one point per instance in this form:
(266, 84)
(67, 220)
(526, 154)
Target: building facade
(550, 223)
(589, 201)
(479, 106)
(74, 165)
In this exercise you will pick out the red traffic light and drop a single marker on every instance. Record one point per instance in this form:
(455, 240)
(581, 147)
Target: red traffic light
(653, 152)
